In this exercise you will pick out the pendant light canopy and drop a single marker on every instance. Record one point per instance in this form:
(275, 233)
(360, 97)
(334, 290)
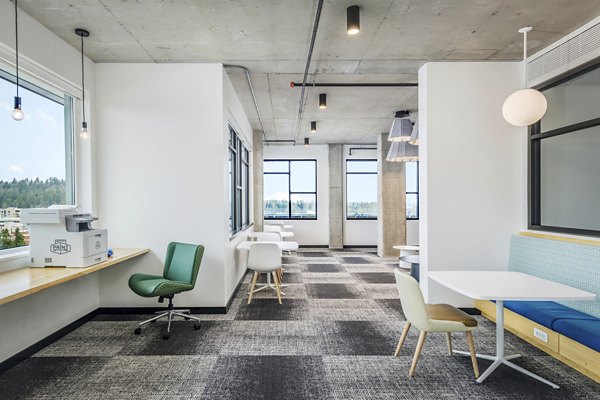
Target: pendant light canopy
(526, 106)
(414, 136)
(353, 20)
(402, 152)
(306, 142)
(313, 126)
(17, 112)
(401, 128)
(322, 100)
(82, 33)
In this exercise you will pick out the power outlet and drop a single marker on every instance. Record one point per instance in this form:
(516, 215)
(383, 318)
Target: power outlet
(543, 336)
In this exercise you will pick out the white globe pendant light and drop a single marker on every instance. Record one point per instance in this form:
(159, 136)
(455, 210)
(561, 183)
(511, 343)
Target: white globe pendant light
(525, 106)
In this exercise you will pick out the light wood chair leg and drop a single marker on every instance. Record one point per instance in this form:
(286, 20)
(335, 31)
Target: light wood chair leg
(417, 353)
(276, 280)
(402, 338)
(473, 355)
(449, 341)
(252, 286)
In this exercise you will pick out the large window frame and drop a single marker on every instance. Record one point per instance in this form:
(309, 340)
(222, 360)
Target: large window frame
(348, 218)
(291, 193)
(415, 193)
(536, 135)
(68, 103)
(239, 191)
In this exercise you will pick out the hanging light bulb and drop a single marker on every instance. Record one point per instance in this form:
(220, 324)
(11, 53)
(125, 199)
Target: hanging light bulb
(525, 106)
(17, 112)
(84, 134)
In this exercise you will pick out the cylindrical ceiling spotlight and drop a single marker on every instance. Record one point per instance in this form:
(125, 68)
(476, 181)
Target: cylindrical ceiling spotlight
(353, 20)
(322, 100)
(306, 142)
(313, 126)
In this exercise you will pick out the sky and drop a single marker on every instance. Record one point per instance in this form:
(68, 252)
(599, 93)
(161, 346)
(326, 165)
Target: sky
(34, 147)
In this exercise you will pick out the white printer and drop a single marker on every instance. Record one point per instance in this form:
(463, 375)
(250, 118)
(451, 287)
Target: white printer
(62, 237)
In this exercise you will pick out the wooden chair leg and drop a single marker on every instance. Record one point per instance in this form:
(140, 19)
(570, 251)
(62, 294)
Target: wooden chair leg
(402, 338)
(473, 355)
(276, 280)
(252, 286)
(449, 341)
(417, 353)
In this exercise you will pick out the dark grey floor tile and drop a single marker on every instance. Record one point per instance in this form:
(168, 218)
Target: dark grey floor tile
(354, 260)
(333, 291)
(270, 309)
(323, 268)
(375, 277)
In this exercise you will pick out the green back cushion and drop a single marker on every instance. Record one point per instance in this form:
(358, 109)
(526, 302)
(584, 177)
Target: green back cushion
(571, 264)
(183, 262)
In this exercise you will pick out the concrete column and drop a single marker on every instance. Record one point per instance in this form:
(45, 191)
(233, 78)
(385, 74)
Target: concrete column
(257, 181)
(336, 197)
(391, 201)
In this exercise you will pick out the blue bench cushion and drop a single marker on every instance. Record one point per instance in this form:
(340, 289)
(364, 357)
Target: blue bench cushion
(545, 312)
(584, 331)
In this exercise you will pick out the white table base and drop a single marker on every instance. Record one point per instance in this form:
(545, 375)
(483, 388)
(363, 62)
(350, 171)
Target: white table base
(500, 358)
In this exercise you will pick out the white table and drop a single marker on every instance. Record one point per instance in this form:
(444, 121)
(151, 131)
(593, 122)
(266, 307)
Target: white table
(283, 246)
(414, 261)
(406, 250)
(501, 286)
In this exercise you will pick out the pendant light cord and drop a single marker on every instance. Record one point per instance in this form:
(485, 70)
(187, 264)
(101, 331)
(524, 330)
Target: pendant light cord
(525, 59)
(17, 45)
(82, 81)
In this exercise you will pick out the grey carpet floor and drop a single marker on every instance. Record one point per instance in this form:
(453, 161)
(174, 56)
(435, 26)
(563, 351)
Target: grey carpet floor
(332, 338)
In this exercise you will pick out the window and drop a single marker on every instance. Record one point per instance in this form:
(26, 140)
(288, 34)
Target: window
(361, 189)
(239, 183)
(290, 189)
(36, 163)
(412, 189)
(564, 184)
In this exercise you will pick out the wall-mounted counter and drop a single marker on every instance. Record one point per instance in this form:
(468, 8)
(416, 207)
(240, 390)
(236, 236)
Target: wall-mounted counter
(22, 282)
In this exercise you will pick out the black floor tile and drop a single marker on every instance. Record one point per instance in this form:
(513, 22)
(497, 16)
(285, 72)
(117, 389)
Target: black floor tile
(333, 291)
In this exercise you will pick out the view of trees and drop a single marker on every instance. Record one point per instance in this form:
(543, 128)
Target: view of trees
(7, 241)
(28, 193)
(280, 209)
(362, 210)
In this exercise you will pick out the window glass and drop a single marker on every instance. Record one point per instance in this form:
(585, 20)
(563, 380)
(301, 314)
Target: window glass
(412, 189)
(573, 101)
(276, 196)
(303, 176)
(35, 157)
(361, 196)
(412, 206)
(304, 205)
(290, 189)
(239, 187)
(361, 166)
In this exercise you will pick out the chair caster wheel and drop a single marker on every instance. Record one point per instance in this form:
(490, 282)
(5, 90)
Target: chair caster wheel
(166, 336)
(137, 331)
(196, 326)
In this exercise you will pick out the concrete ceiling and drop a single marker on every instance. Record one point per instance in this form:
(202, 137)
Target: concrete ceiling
(271, 38)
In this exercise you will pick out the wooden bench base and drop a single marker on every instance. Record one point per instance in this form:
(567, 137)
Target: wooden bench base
(566, 350)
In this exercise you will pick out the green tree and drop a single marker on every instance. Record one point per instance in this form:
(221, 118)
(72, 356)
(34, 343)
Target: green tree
(6, 241)
(19, 239)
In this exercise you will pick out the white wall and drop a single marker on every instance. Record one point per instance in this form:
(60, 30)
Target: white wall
(50, 62)
(162, 172)
(356, 232)
(472, 170)
(310, 232)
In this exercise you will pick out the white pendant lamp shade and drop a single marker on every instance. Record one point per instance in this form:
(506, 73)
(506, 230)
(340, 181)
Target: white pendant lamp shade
(402, 152)
(400, 130)
(414, 136)
(524, 107)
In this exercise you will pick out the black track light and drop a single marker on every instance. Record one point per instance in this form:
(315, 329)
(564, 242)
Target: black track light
(323, 100)
(306, 142)
(313, 126)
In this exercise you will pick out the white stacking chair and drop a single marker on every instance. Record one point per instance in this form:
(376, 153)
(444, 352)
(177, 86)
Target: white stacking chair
(266, 236)
(265, 258)
(431, 318)
(278, 229)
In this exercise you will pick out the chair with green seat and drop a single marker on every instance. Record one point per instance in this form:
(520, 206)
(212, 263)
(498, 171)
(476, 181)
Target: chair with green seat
(179, 275)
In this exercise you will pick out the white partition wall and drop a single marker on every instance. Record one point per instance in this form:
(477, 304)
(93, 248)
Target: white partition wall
(162, 173)
(472, 170)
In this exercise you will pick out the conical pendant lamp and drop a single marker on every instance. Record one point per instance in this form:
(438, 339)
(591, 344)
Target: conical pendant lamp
(526, 106)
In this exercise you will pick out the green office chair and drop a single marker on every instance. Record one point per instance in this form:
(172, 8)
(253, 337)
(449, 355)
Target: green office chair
(179, 275)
